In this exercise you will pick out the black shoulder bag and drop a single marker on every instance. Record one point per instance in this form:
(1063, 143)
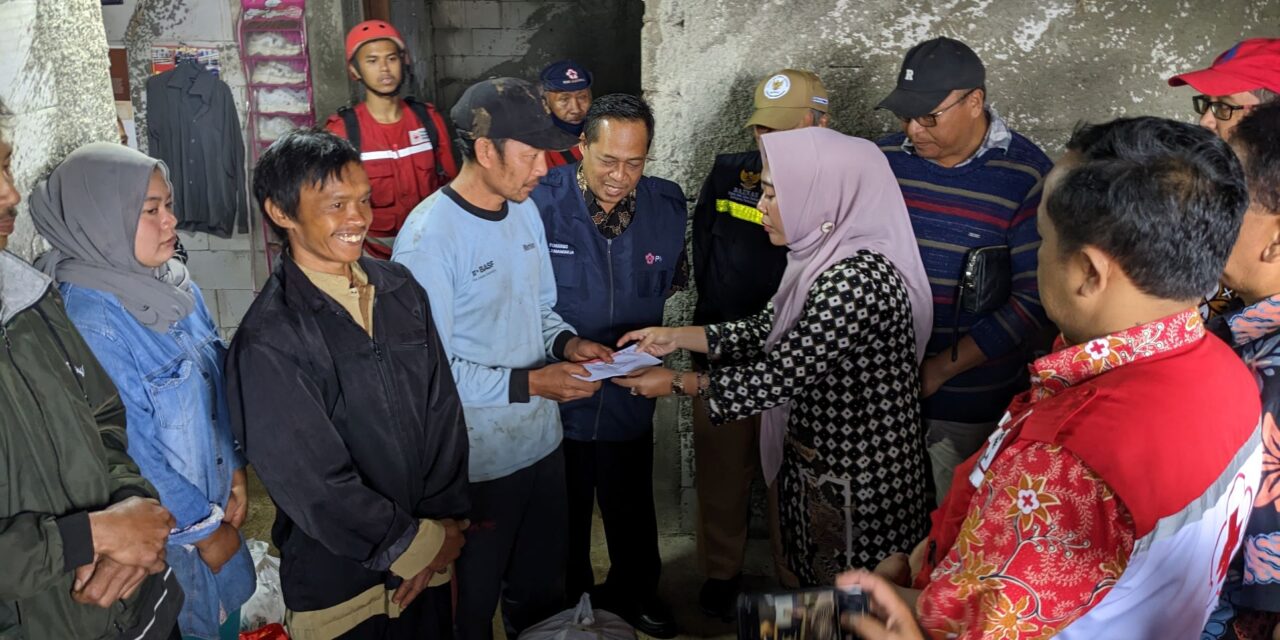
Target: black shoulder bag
(986, 282)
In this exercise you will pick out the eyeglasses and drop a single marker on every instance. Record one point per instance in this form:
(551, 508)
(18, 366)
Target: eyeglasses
(931, 119)
(1221, 110)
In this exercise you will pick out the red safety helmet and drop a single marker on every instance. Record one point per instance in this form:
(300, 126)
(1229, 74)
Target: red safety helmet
(371, 30)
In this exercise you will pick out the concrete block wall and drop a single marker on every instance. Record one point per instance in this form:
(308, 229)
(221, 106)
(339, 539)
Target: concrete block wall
(327, 24)
(1049, 63)
(478, 39)
(223, 268)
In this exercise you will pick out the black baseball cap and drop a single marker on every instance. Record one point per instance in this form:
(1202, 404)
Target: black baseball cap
(508, 108)
(932, 70)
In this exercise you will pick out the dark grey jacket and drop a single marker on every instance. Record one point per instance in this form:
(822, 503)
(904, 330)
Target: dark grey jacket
(62, 455)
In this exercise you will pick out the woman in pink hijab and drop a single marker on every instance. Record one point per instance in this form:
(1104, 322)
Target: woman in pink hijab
(832, 362)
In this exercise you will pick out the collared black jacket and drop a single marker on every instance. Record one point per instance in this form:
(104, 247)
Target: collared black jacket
(193, 126)
(356, 439)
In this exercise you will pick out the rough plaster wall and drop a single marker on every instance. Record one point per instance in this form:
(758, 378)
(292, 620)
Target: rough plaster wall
(222, 266)
(54, 78)
(478, 39)
(1050, 64)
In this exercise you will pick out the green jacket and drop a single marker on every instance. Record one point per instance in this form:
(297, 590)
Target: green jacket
(62, 455)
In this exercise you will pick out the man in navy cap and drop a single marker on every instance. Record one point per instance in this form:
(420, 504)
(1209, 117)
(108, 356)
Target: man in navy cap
(566, 86)
(970, 183)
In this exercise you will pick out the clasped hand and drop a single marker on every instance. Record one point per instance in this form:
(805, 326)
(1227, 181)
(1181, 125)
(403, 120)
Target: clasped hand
(128, 545)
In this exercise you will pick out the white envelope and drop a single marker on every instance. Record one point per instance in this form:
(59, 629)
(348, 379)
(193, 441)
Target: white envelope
(624, 362)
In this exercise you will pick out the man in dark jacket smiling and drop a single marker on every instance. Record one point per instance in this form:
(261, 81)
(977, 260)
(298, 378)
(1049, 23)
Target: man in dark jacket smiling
(341, 394)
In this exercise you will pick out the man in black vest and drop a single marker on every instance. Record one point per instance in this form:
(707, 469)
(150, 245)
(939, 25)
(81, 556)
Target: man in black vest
(737, 272)
(617, 247)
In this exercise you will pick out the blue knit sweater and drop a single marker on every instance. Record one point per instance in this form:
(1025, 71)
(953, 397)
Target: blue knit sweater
(989, 201)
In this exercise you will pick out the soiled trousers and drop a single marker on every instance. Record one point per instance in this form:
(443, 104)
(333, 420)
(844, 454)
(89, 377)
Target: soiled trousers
(515, 551)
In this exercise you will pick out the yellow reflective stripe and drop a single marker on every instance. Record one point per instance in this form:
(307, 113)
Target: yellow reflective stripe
(739, 210)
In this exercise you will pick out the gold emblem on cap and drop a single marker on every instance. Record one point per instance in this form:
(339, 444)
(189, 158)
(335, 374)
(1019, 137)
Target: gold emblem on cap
(777, 86)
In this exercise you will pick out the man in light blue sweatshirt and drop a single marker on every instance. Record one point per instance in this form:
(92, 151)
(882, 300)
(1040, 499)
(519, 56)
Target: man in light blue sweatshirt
(478, 248)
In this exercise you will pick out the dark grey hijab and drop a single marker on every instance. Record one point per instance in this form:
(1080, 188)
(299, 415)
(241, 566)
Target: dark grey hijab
(88, 210)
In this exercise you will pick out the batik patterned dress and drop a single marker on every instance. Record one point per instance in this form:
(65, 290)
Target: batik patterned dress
(1250, 607)
(852, 482)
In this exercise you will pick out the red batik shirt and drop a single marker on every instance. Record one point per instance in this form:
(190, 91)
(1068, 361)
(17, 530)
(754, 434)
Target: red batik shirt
(1044, 538)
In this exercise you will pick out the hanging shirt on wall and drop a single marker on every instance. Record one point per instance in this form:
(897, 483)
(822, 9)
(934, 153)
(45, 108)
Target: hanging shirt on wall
(193, 127)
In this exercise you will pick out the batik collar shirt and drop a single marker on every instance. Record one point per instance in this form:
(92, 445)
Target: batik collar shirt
(1044, 538)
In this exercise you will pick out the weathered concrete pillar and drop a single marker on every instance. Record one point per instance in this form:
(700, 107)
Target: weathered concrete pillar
(327, 25)
(54, 78)
(413, 19)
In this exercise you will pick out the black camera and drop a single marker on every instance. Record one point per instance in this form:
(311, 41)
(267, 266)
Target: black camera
(805, 614)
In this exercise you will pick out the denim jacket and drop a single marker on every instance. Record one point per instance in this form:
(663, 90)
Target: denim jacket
(179, 435)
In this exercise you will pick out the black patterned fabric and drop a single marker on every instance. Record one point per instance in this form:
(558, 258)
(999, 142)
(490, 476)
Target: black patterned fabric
(852, 483)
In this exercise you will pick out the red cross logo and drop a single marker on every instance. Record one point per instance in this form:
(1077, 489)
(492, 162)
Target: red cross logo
(1239, 503)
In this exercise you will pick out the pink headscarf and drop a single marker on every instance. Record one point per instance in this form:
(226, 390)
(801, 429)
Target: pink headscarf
(836, 196)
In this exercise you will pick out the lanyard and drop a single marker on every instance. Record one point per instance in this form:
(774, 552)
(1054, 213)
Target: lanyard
(995, 444)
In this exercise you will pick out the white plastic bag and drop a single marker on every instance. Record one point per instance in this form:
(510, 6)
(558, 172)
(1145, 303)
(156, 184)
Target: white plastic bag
(283, 100)
(266, 605)
(581, 623)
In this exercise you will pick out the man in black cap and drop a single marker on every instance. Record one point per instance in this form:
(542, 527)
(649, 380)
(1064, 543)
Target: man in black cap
(478, 248)
(566, 86)
(969, 182)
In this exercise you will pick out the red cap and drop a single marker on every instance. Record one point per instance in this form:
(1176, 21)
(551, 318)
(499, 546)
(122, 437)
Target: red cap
(367, 32)
(1252, 64)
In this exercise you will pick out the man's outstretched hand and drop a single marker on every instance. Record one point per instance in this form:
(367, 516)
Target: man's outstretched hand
(583, 350)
